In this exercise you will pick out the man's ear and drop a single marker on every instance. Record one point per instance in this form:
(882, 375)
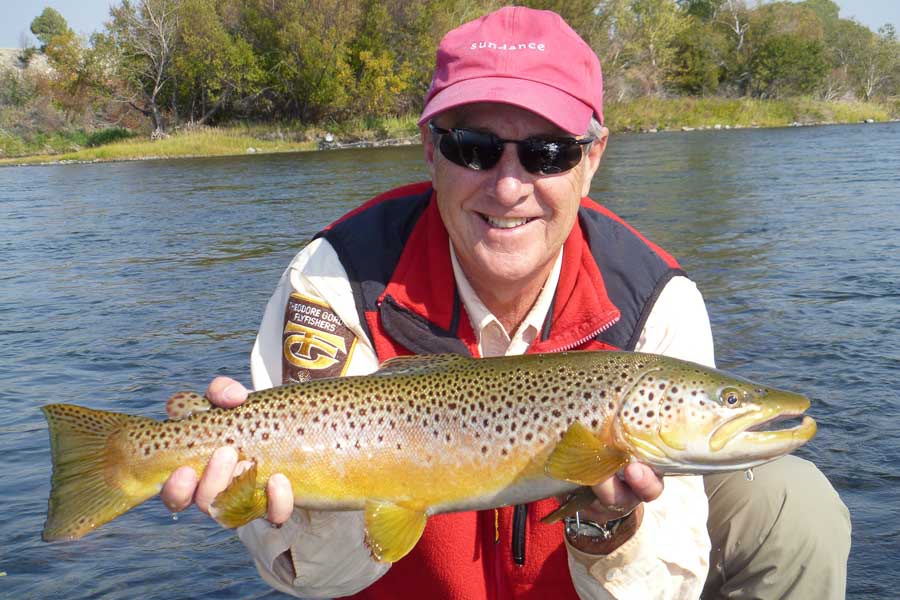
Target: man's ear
(428, 147)
(595, 153)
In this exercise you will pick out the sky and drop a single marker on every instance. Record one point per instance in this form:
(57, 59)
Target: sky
(87, 16)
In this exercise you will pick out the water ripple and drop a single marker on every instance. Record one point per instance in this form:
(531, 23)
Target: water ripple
(122, 283)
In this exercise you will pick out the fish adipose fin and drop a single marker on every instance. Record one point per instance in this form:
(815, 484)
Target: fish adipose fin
(184, 404)
(91, 483)
(582, 458)
(392, 530)
(241, 502)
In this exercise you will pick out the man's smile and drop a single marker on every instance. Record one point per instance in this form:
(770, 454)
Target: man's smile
(505, 222)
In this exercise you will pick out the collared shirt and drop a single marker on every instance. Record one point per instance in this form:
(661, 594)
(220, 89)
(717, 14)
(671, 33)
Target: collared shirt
(493, 339)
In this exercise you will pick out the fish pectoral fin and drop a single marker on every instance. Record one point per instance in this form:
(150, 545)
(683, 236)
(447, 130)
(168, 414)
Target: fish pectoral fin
(582, 458)
(241, 502)
(183, 404)
(578, 500)
(392, 530)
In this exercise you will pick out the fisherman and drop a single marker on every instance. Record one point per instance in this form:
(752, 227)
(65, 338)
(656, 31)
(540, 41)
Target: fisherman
(501, 253)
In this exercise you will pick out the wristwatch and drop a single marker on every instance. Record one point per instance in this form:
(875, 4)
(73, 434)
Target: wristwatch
(579, 528)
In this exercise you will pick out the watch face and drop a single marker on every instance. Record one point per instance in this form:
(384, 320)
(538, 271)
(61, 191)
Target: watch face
(580, 528)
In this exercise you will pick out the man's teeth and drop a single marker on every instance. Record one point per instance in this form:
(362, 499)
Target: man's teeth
(504, 223)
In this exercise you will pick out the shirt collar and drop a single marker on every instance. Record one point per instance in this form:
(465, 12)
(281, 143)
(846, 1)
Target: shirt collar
(492, 337)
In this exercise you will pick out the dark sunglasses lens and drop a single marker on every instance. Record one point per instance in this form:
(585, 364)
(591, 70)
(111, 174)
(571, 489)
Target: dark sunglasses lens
(548, 157)
(471, 149)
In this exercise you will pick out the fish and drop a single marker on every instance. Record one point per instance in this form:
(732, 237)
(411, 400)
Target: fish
(425, 435)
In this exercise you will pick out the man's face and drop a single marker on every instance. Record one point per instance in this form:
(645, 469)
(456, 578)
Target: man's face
(507, 225)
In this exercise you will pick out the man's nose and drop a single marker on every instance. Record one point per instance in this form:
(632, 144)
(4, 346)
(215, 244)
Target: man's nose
(511, 181)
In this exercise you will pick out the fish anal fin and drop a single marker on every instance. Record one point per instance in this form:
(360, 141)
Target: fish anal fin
(241, 502)
(392, 530)
(183, 404)
(578, 500)
(580, 457)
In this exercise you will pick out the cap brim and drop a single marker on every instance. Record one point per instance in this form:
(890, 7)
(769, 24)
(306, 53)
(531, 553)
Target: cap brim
(558, 107)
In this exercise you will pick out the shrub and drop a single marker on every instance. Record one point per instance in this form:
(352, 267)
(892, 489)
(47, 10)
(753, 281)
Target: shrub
(108, 136)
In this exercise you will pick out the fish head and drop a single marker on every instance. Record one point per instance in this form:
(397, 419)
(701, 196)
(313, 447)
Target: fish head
(681, 417)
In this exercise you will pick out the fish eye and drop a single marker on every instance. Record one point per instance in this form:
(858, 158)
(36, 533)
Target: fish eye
(730, 397)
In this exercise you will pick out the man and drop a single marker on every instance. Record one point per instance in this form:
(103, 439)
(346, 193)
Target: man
(502, 253)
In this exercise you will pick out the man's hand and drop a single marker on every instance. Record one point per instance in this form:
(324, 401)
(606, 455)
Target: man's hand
(184, 487)
(617, 497)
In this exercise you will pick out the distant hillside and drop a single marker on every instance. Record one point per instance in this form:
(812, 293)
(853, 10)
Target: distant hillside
(9, 59)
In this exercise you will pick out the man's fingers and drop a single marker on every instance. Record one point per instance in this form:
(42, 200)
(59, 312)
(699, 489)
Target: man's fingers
(614, 499)
(178, 491)
(226, 392)
(281, 499)
(643, 481)
(216, 478)
(618, 496)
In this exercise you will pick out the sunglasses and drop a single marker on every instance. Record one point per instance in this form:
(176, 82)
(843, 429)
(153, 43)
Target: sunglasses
(479, 150)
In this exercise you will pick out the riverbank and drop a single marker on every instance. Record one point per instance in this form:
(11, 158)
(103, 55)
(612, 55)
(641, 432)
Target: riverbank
(643, 115)
(661, 114)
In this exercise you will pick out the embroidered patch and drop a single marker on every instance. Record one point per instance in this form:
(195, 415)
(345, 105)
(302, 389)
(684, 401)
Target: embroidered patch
(316, 343)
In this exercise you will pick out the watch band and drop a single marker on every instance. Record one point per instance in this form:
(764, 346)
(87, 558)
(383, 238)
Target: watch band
(576, 527)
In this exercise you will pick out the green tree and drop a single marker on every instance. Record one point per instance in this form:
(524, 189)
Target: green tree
(304, 47)
(701, 9)
(649, 31)
(786, 51)
(48, 25)
(878, 66)
(787, 65)
(215, 69)
(380, 75)
(696, 66)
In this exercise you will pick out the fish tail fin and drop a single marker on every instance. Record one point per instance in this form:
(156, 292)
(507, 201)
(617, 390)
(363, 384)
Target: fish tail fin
(91, 483)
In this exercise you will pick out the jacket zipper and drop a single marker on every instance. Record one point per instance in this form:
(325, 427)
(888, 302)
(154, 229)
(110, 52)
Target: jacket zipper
(520, 514)
(586, 339)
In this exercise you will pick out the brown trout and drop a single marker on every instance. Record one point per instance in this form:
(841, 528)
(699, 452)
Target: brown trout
(426, 435)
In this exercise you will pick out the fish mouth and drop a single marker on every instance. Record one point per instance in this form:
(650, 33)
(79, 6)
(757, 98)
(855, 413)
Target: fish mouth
(758, 431)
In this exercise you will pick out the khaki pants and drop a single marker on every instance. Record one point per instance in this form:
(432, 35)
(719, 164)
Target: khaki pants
(786, 534)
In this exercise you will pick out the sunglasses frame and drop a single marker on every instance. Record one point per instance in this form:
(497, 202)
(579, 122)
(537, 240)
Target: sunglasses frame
(523, 147)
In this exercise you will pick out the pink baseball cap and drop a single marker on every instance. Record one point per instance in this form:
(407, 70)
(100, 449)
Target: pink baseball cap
(528, 58)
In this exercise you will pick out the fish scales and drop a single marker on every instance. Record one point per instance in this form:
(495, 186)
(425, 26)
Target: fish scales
(344, 440)
(425, 435)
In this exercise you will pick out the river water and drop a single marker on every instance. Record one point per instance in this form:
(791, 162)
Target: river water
(123, 283)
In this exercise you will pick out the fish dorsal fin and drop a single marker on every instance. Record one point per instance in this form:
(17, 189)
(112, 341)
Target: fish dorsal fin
(184, 404)
(392, 530)
(241, 502)
(420, 364)
(580, 457)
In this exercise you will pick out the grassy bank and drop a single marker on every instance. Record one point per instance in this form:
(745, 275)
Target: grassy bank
(205, 142)
(639, 115)
(675, 113)
(232, 139)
